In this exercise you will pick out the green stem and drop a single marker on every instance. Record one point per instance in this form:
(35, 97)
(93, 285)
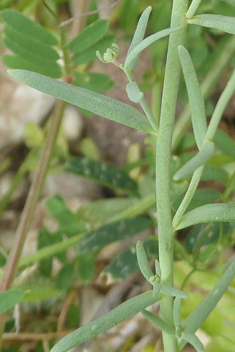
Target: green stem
(207, 86)
(143, 103)
(163, 157)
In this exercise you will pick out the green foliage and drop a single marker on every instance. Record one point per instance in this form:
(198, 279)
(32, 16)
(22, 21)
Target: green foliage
(104, 174)
(116, 231)
(10, 298)
(94, 102)
(31, 45)
(97, 82)
(117, 315)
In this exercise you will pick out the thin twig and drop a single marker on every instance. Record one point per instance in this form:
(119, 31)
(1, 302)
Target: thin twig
(11, 337)
(30, 206)
(50, 10)
(89, 13)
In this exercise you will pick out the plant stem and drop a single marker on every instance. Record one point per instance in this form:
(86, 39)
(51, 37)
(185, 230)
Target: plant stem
(163, 156)
(30, 206)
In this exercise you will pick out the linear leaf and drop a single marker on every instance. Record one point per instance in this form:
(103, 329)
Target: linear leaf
(104, 174)
(115, 231)
(90, 53)
(201, 197)
(195, 320)
(98, 104)
(208, 213)
(199, 159)
(10, 298)
(194, 341)
(145, 43)
(90, 35)
(32, 44)
(198, 113)
(139, 34)
(123, 312)
(221, 23)
(16, 62)
(27, 27)
(159, 322)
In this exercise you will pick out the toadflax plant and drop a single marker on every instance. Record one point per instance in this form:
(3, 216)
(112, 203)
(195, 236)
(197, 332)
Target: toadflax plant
(175, 333)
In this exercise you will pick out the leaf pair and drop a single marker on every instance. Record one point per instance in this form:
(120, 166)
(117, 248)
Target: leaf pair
(185, 332)
(31, 44)
(155, 280)
(203, 135)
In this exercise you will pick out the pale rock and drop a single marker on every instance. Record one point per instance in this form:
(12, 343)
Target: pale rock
(19, 104)
(72, 123)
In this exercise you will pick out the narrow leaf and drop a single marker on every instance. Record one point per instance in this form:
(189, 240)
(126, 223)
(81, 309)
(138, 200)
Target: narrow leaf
(221, 23)
(199, 159)
(10, 298)
(201, 197)
(194, 341)
(159, 322)
(139, 34)
(177, 312)
(171, 291)
(130, 59)
(116, 231)
(143, 261)
(27, 27)
(90, 35)
(90, 53)
(94, 102)
(195, 320)
(208, 213)
(104, 174)
(32, 44)
(196, 101)
(123, 312)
